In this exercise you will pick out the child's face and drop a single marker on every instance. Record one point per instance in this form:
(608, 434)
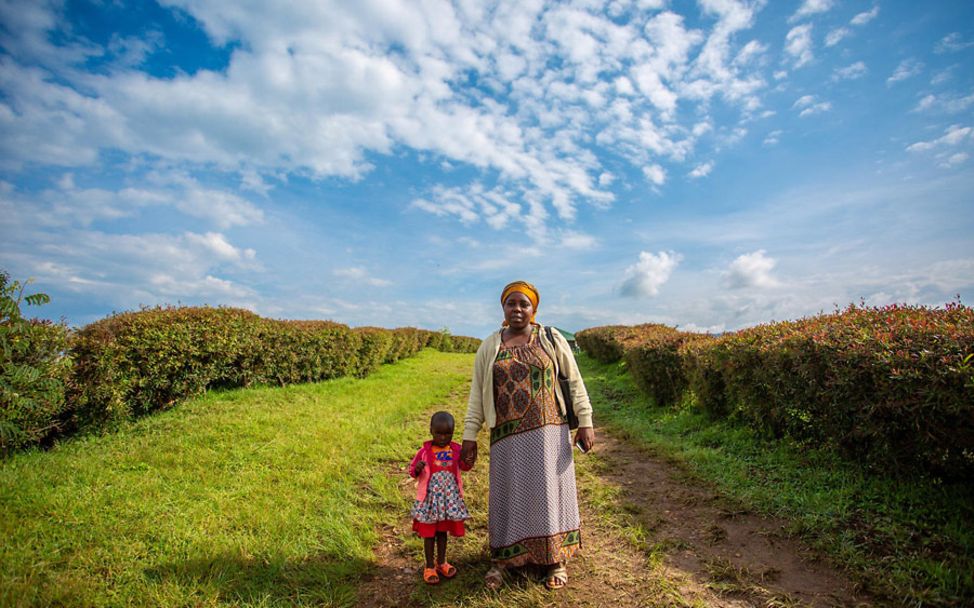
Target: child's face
(442, 434)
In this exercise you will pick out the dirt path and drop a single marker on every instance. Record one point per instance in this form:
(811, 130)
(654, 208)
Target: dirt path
(650, 538)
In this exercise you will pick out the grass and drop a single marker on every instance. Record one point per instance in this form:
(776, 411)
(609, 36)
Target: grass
(259, 497)
(909, 541)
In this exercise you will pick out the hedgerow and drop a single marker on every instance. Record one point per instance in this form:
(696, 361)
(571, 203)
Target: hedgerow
(56, 382)
(609, 343)
(657, 366)
(134, 363)
(890, 387)
(887, 386)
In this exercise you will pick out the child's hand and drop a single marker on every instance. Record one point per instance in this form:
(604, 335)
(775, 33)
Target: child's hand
(419, 467)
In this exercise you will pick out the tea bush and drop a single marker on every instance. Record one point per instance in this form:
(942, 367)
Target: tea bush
(656, 363)
(886, 385)
(890, 387)
(131, 364)
(32, 369)
(609, 343)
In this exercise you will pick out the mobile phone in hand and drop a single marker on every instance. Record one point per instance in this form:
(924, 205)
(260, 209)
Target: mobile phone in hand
(578, 444)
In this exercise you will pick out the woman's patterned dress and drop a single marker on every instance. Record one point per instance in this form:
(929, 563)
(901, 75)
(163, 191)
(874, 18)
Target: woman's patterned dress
(533, 508)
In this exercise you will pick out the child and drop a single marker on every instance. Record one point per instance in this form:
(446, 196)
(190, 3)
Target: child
(439, 506)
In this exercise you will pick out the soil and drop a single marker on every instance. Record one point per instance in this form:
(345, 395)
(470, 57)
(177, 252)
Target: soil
(673, 543)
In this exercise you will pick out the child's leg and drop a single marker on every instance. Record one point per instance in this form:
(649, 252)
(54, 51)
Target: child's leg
(428, 550)
(440, 547)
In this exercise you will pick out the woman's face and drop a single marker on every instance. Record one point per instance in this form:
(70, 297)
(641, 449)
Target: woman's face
(518, 310)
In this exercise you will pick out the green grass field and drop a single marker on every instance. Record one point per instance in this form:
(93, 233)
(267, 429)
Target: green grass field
(274, 496)
(258, 497)
(909, 540)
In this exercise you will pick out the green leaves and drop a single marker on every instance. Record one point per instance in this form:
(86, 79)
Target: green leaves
(892, 387)
(32, 369)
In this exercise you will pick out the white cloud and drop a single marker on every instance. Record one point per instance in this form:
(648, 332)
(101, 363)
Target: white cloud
(645, 277)
(217, 244)
(926, 103)
(751, 270)
(953, 135)
(701, 170)
(952, 43)
(836, 36)
(360, 275)
(311, 90)
(773, 137)
(850, 72)
(865, 17)
(809, 106)
(946, 102)
(496, 207)
(571, 239)
(907, 68)
(954, 160)
(798, 44)
(655, 174)
(811, 7)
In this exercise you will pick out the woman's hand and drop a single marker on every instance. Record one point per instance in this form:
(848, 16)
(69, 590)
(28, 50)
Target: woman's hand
(586, 437)
(468, 451)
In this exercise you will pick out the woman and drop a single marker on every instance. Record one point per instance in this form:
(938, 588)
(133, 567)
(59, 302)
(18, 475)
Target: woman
(533, 507)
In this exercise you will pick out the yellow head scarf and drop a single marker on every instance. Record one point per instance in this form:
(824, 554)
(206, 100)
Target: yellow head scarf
(527, 289)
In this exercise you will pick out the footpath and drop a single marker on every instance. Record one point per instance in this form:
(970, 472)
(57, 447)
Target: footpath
(651, 537)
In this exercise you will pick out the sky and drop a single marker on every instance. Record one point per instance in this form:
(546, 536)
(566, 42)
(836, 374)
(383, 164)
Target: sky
(710, 165)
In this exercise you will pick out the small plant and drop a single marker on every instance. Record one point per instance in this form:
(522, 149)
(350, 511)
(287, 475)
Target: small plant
(32, 369)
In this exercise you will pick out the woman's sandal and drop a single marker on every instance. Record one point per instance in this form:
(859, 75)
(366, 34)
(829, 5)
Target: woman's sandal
(430, 577)
(446, 570)
(557, 577)
(494, 577)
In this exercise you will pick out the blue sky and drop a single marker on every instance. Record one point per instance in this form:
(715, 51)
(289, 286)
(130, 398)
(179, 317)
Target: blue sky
(712, 164)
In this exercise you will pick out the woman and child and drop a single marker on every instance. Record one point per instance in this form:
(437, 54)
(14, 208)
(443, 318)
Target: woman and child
(533, 506)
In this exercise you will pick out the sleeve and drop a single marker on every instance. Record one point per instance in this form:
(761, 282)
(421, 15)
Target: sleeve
(568, 366)
(474, 419)
(416, 459)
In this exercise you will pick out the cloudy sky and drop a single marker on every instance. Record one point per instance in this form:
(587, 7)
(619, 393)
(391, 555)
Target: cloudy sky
(711, 164)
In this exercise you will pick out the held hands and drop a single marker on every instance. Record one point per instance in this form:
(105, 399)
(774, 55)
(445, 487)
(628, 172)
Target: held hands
(586, 437)
(468, 452)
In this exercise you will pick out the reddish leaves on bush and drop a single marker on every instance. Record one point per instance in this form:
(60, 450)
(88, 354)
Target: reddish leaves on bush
(889, 386)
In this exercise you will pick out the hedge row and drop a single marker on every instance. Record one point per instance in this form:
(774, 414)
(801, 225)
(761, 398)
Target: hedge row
(891, 386)
(134, 363)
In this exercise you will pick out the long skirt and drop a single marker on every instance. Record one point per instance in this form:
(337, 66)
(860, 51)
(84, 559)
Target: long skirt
(533, 506)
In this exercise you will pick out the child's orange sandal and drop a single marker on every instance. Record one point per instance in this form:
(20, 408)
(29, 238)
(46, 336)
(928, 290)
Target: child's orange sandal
(446, 570)
(430, 577)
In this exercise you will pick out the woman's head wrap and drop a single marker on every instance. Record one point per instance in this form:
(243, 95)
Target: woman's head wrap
(527, 289)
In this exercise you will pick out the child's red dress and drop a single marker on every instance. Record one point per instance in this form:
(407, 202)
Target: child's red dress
(439, 505)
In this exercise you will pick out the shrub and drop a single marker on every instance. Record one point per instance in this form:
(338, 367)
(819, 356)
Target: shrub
(886, 386)
(132, 364)
(375, 346)
(32, 369)
(656, 363)
(609, 343)
(891, 387)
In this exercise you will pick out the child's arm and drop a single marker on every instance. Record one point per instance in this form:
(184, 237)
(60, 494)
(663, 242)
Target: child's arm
(417, 465)
(464, 465)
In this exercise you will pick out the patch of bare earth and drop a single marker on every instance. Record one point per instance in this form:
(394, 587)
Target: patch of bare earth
(671, 543)
(716, 545)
